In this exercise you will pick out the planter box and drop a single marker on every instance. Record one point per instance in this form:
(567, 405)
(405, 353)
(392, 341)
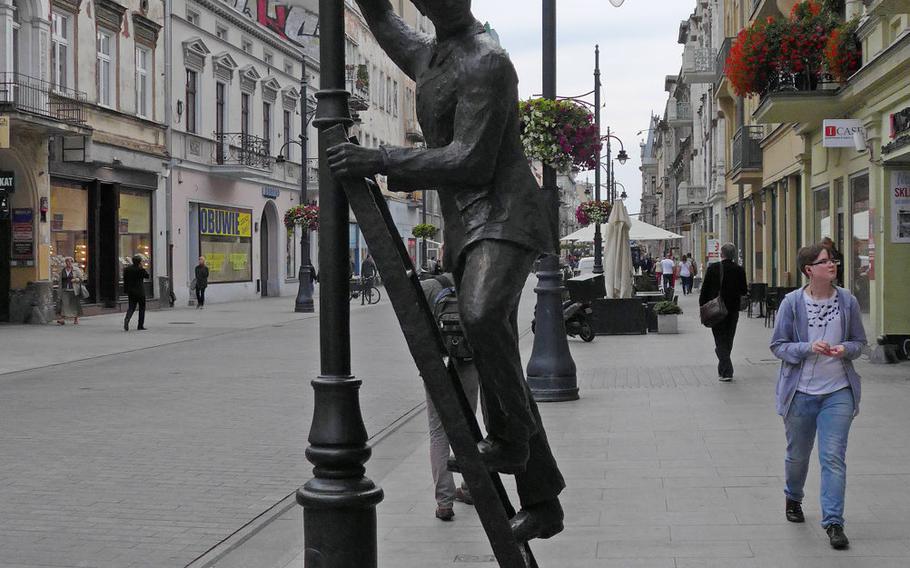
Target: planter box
(667, 323)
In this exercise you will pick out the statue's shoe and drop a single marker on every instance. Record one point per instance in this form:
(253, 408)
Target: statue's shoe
(543, 520)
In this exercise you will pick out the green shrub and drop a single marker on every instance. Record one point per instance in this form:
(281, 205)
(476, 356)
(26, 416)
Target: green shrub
(667, 308)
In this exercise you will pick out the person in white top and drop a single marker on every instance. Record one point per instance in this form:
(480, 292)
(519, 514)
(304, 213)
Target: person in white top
(685, 274)
(668, 268)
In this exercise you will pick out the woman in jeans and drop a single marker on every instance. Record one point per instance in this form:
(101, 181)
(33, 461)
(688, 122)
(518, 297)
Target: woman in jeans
(817, 336)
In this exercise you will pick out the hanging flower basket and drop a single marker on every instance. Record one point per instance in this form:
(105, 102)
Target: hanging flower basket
(424, 231)
(561, 134)
(843, 53)
(593, 212)
(303, 216)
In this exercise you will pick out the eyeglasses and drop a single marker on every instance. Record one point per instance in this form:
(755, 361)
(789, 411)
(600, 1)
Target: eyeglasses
(833, 261)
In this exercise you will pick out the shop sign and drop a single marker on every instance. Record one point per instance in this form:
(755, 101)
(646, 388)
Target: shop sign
(7, 182)
(270, 192)
(871, 272)
(23, 236)
(4, 132)
(900, 206)
(219, 222)
(838, 132)
(900, 131)
(713, 250)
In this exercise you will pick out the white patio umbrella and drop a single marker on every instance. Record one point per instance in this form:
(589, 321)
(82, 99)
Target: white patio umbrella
(617, 254)
(639, 231)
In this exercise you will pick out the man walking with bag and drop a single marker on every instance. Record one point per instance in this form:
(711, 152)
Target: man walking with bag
(725, 280)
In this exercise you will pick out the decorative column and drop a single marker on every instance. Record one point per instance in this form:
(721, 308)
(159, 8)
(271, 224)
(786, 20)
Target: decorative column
(598, 237)
(304, 302)
(339, 503)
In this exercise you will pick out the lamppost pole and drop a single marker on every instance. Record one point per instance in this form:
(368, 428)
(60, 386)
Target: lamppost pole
(304, 302)
(551, 370)
(598, 238)
(609, 167)
(339, 503)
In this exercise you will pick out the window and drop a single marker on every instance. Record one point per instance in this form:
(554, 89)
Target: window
(192, 16)
(60, 50)
(245, 113)
(267, 126)
(289, 68)
(225, 240)
(246, 45)
(268, 58)
(287, 135)
(219, 120)
(143, 87)
(191, 101)
(105, 68)
(69, 226)
(859, 245)
(822, 213)
(221, 32)
(381, 89)
(291, 253)
(388, 94)
(395, 98)
(135, 228)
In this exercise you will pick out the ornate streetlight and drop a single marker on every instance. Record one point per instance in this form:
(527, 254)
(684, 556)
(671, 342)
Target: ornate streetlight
(306, 274)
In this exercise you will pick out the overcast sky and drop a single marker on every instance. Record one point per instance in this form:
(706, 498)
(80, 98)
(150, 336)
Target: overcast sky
(637, 49)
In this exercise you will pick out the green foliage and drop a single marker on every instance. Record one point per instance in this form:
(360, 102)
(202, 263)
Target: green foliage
(424, 231)
(667, 308)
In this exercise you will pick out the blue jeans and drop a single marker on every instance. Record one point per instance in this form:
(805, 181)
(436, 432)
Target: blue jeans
(830, 415)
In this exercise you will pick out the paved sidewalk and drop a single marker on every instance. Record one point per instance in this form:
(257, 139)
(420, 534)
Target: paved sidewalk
(668, 468)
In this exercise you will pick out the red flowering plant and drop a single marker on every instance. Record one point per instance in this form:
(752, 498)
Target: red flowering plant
(593, 212)
(303, 216)
(561, 134)
(803, 41)
(750, 62)
(843, 52)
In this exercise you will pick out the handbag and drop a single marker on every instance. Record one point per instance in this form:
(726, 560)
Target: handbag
(715, 311)
(193, 284)
(83, 292)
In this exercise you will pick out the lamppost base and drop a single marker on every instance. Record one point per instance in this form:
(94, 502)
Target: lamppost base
(551, 370)
(305, 307)
(304, 302)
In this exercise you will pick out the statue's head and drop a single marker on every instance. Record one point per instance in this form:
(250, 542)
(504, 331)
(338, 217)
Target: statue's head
(446, 14)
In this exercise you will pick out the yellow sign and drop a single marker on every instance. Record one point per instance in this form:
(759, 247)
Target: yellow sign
(222, 222)
(4, 132)
(239, 261)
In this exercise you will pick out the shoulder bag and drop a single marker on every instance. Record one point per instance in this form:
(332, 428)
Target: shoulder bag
(715, 311)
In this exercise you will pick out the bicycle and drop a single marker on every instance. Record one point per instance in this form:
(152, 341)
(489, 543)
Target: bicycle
(371, 294)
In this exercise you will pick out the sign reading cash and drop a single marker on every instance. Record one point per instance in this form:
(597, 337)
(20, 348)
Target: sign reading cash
(218, 222)
(839, 132)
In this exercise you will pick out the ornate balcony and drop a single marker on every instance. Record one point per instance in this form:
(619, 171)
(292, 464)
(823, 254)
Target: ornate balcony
(679, 113)
(41, 103)
(412, 131)
(239, 149)
(747, 154)
(357, 81)
(720, 68)
(691, 196)
(792, 97)
(698, 65)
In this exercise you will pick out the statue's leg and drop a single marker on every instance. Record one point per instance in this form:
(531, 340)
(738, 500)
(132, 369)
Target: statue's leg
(489, 286)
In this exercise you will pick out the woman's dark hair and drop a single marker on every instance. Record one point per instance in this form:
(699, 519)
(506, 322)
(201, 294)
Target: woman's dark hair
(807, 256)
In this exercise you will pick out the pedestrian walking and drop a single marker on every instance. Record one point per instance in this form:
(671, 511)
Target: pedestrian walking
(201, 282)
(817, 335)
(685, 274)
(134, 277)
(440, 294)
(727, 280)
(668, 271)
(71, 290)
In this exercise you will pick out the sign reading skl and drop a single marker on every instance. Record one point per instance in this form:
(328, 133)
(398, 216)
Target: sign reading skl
(838, 132)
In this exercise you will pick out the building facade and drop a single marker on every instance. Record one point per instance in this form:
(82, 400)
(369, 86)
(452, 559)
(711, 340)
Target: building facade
(80, 92)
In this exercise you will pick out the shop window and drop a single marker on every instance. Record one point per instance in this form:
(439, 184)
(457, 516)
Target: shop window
(135, 228)
(822, 209)
(225, 240)
(69, 227)
(859, 267)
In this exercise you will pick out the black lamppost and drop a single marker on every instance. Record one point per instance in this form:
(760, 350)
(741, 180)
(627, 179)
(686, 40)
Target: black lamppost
(551, 370)
(339, 503)
(306, 274)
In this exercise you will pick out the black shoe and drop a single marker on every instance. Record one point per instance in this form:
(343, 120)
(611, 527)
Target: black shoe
(445, 513)
(837, 538)
(126, 326)
(543, 520)
(502, 456)
(142, 328)
(794, 511)
(464, 496)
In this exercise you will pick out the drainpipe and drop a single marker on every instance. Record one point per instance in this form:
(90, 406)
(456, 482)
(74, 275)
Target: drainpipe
(169, 146)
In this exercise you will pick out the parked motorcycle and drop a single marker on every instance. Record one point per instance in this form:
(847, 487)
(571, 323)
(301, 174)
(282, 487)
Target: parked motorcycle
(577, 318)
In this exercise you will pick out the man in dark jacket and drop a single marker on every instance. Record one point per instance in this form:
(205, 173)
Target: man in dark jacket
(367, 274)
(731, 290)
(134, 277)
(497, 221)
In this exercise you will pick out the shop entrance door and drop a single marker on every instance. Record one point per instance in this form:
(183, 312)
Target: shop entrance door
(5, 238)
(264, 233)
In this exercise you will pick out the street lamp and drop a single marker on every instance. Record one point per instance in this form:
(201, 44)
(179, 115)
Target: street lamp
(306, 274)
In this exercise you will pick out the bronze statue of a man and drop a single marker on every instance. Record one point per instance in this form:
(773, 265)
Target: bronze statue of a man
(495, 222)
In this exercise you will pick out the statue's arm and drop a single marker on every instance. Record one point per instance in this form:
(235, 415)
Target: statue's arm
(486, 99)
(409, 49)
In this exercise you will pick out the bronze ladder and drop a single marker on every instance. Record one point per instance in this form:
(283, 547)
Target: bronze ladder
(425, 344)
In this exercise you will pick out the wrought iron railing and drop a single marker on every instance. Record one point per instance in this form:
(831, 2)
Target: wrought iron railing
(30, 95)
(357, 82)
(237, 148)
(809, 80)
(720, 63)
(747, 153)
